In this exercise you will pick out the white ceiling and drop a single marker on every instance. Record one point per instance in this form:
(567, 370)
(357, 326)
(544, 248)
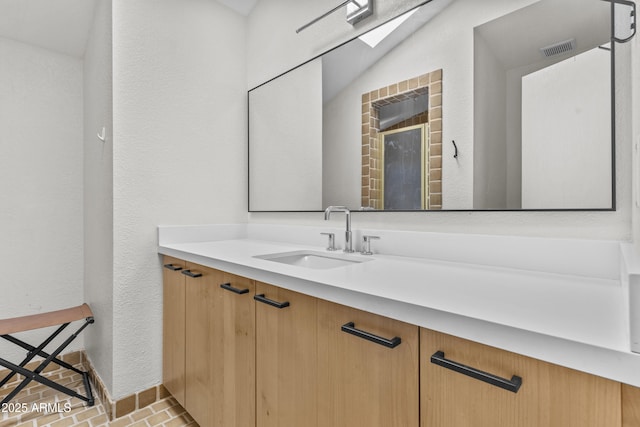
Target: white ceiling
(60, 25)
(63, 25)
(243, 7)
(516, 38)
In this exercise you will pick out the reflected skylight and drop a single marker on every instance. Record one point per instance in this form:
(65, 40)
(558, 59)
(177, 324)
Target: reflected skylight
(375, 36)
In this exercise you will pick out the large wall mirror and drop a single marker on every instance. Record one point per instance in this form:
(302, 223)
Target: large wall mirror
(455, 105)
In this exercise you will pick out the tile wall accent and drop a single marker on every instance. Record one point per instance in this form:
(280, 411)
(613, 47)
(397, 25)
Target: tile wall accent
(430, 83)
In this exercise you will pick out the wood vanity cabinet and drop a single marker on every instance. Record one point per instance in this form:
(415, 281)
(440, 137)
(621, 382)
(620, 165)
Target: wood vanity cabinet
(630, 406)
(549, 395)
(173, 324)
(239, 353)
(366, 378)
(220, 348)
(218, 344)
(286, 358)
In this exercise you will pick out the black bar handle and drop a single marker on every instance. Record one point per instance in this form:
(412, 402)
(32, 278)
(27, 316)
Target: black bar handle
(172, 267)
(512, 385)
(228, 287)
(351, 329)
(191, 273)
(276, 304)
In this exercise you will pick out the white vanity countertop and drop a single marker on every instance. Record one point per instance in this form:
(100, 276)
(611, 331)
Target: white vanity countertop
(573, 321)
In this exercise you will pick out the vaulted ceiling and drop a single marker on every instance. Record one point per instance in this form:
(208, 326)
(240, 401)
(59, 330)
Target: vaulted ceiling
(63, 25)
(58, 25)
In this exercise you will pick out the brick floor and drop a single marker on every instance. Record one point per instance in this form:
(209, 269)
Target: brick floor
(40, 406)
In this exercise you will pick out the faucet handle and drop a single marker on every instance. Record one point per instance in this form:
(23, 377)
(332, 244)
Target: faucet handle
(332, 241)
(366, 244)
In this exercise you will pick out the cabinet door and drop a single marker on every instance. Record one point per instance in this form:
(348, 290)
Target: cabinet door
(286, 370)
(549, 395)
(220, 348)
(173, 324)
(234, 397)
(366, 380)
(630, 406)
(201, 367)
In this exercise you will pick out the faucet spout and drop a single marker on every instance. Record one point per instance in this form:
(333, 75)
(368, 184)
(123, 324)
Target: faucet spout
(348, 237)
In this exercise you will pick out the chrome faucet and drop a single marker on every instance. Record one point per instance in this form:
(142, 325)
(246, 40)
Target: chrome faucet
(348, 240)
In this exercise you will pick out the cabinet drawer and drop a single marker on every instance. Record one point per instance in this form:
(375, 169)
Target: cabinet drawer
(466, 389)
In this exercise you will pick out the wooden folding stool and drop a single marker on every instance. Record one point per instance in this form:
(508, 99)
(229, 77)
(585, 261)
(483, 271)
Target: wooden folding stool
(60, 318)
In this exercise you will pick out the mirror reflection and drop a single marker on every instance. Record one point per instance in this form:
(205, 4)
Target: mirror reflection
(455, 105)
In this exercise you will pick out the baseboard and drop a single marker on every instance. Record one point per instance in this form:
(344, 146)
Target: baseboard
(121, 407)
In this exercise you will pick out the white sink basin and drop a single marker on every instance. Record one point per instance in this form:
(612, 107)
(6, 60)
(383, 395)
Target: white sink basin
(311, 259)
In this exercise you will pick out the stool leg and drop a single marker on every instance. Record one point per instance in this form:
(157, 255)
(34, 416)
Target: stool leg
(31, 349)
(32, 353)
(87, 388)
(35, 374)
(42, 380)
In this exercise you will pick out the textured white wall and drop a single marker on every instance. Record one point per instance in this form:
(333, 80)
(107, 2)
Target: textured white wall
(634, 285)
(291, 113)
(489, 147)
(40, 182)
(274, 47)
(179, 154)
(341, 148)
(98, 191)
(564, 168)
(635, 107)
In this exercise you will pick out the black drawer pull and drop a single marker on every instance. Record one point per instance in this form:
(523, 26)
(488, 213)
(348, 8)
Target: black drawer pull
(351, 329)
(512, 385)
(271, 302)
(228, 287)
(173, 267)
(191, 273)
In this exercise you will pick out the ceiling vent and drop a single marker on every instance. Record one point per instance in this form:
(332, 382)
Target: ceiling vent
(558, 48)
